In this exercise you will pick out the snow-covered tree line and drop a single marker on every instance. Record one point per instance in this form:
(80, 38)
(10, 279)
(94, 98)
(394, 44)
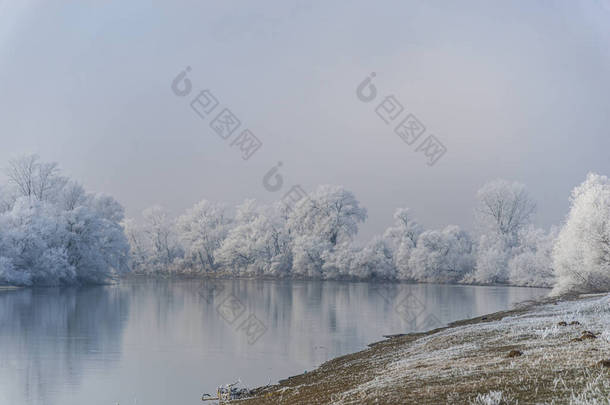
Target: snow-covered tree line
(53, 232)
(314, 239)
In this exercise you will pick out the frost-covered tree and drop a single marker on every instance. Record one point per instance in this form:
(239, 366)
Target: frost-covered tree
(401, 238)
(8, 197)
(33, 178)
(345, 260)
(581, 256)
(71, 196)
(105, 206)
(95, 240)
(162, 241)
(373, 261)
(442, 256)
(404, 227)
(32, 241)
(275, 242)
(331, 212)
(139, 252)
(154, 243)
(309, 252)
(492, 257)
(9, 275)
(258, 243)
(325, 221)
(239, 251)
(43, 241)
(503, 210)
(202, 229)
(531, 261)
(328, 262)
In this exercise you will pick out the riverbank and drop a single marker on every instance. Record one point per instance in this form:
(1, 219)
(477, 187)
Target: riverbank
(9, 288)
(554, 351)
(228, 275)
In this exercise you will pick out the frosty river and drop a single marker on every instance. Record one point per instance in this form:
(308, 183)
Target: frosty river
(167, 342)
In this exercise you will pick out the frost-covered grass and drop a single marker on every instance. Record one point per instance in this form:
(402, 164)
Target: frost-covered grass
(491, 398)
(596, 391)
(469, 363)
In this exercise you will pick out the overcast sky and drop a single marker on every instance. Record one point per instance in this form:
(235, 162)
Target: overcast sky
(513, 89)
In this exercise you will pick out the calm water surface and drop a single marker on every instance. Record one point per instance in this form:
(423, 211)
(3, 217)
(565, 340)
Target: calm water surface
(167, 342)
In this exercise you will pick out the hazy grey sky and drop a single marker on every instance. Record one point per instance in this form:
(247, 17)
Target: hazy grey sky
(514, 89)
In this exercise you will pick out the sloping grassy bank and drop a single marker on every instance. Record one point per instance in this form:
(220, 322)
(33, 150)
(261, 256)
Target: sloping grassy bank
(555, 351)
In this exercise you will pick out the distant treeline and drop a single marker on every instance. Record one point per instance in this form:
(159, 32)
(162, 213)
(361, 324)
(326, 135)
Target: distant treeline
(53, 232)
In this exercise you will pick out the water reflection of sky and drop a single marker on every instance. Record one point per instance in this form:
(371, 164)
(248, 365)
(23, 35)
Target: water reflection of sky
(166, 342)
